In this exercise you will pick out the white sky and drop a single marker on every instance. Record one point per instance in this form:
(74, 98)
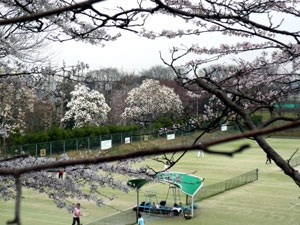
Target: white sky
(128, 52)
(131, 52)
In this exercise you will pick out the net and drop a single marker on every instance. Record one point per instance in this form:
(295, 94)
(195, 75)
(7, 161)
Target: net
(295, 161)
(217, 188)
(126, 217)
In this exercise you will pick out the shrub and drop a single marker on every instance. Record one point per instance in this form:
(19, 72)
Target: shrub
(55, 133)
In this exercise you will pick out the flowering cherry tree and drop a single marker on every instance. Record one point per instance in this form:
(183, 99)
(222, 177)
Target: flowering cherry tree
(151, 100)
(73, 186)
(87, 107)
(252, 64)
(255, 45)
(15, 102)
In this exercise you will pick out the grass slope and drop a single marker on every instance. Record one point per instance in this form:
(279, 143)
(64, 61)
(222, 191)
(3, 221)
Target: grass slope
(273, 199)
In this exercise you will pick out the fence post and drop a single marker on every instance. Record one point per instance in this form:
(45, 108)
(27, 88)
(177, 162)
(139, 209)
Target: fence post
(89, 147)
(36, 150)
(50, 147)
(76, 144)
(100, 139)
(64, 144)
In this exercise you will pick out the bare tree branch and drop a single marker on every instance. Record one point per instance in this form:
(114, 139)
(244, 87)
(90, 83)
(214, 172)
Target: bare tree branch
(35, 16)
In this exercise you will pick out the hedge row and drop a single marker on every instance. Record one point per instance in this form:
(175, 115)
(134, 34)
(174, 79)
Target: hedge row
(55, 133)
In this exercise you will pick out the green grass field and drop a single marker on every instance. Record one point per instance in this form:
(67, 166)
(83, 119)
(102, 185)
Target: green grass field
(273, 199)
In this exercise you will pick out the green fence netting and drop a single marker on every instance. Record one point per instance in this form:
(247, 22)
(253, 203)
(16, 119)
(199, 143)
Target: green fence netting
(99, 143)
(217, 188)
(126, 217)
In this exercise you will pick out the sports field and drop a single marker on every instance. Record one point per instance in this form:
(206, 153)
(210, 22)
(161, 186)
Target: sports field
(273, 199)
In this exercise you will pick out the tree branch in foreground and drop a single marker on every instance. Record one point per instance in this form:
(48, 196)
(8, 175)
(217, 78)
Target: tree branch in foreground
(82, 5)
(154, 151)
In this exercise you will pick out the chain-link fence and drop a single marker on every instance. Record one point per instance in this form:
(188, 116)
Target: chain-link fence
(103, 142)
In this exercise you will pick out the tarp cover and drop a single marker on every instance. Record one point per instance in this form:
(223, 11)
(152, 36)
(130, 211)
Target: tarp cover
(137, 183)
(189, 184)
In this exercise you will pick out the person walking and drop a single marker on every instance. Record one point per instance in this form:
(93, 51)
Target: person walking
(60, 174)
(141, 220)
(268, 161)
(76, 214)
(200, 152)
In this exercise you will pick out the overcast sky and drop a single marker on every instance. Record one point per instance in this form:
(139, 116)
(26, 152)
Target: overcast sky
(129, 52)
(133, 53)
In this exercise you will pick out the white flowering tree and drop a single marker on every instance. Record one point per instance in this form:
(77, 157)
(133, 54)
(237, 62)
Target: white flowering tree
(151, 100)
(87, 107)
(15, 101)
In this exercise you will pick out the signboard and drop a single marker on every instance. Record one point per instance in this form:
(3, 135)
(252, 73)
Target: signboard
(127, 140)
(170, 136)
(223, 127)
(43, 152)
(146, 137)
(106, 144)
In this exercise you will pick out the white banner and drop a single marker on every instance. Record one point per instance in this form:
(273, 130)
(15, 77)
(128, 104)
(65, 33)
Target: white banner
(170, 136)
(223, 127)
(127, 140)
(105, 144)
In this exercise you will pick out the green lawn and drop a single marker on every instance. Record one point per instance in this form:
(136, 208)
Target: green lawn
(273, 199)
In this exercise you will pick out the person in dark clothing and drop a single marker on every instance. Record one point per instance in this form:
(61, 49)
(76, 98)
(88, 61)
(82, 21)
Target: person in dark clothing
(268, 161)
(60, 174)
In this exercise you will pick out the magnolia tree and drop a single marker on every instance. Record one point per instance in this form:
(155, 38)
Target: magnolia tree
(151, 100)
(87, 107)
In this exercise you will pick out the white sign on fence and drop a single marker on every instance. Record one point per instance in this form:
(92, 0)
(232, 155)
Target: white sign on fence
(105, 144)
(223, 127)
(127, 140)
(170, 136)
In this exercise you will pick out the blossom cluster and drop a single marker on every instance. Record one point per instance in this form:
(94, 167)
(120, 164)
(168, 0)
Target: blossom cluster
(151, 100)
(75, 180)
(86, 107)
